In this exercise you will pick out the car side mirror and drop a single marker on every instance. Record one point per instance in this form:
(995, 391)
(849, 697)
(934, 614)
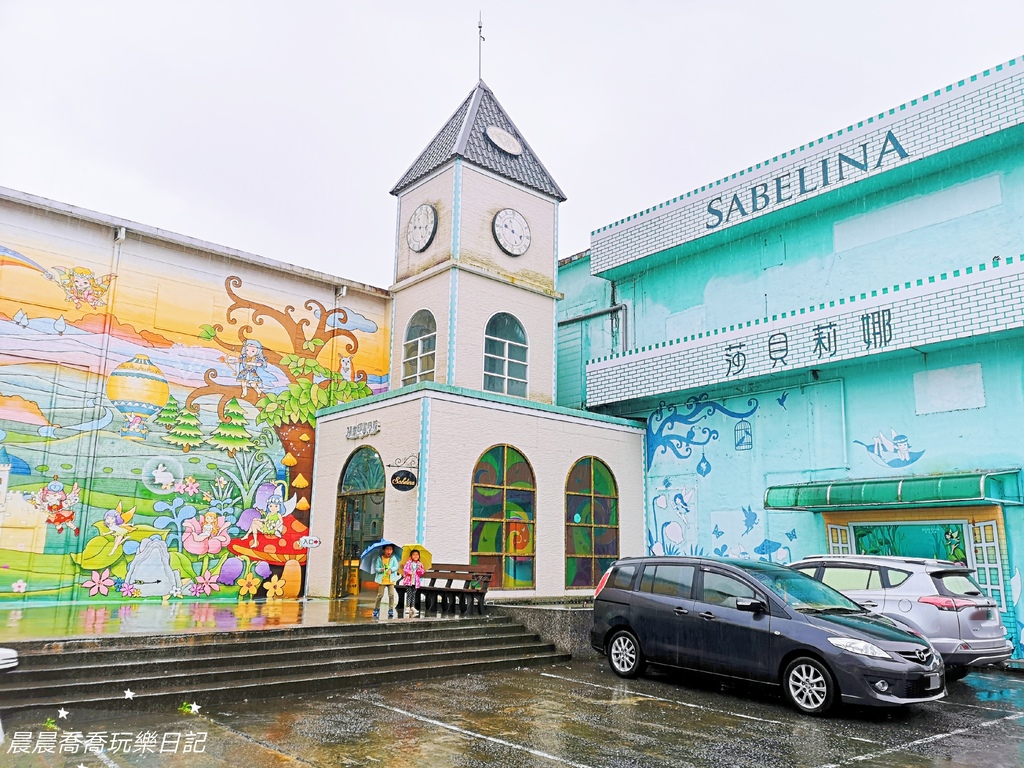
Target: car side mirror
(751, 605)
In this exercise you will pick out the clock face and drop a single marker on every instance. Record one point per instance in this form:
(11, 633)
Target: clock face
(422, 226)
(511, 232)
(504, 140)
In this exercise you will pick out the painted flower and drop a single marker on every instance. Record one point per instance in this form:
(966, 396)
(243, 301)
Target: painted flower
(19, 586)
(206, 584)
(179, 487)
(100, 583)
(274, 587)
(127, 588)
(191, 485)
(118, 583)
(209, 542)
(221, 482)
(247, 585)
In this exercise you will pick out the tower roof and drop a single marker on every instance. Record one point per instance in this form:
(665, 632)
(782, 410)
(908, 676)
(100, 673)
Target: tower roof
(465, 136)
(5, 459)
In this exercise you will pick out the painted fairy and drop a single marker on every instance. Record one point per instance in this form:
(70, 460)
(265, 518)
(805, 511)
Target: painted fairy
(211, 526)
(81, 285)
(118, 523)
(271, 519)
(58, 505)
(250, 360)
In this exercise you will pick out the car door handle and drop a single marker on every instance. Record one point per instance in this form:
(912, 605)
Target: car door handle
(680, 611)
(706, 615)
(869, 603)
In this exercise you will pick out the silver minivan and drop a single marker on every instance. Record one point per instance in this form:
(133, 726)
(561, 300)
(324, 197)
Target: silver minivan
(938, 598)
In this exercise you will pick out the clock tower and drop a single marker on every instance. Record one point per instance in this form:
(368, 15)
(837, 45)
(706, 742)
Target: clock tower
(476, 259)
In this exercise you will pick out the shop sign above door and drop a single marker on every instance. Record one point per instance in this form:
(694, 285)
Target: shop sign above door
(363, 429)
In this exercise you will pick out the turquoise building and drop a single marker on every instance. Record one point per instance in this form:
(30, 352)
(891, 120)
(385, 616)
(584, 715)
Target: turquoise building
(827, 347)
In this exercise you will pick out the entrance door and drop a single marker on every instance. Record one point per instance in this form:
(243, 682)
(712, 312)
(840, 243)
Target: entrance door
(359, 519)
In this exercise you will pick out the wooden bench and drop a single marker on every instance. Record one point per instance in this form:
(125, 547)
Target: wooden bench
(448, 585)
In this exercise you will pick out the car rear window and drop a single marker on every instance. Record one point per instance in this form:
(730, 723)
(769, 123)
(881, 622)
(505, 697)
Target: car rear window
(956, 583)
(896, 577)
(846, 578)
(622, 578)
(668, 580)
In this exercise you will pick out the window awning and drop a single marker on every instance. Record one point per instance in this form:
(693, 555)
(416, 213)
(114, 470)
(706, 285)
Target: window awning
(954, 489)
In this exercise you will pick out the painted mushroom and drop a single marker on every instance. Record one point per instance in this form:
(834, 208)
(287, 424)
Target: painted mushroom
(767, 547)
(284, 551)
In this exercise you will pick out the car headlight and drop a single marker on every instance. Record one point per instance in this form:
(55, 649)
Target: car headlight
(859, 647)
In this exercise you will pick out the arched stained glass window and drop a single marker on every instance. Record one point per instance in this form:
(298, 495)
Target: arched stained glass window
(591, 522)
(503, 525)
(419, 348)
(505, 356)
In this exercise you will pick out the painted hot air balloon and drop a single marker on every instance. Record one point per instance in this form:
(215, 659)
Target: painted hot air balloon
(137, 389)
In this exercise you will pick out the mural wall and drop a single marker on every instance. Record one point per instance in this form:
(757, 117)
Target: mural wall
(709, 462)
(157, 415)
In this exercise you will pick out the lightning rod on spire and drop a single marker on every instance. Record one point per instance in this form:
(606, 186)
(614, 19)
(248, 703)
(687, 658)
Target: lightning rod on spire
(480, 48)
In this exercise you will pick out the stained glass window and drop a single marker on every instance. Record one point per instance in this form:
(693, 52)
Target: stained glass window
(505, 356)
(591, 523)
(418, 350)
(503, 525)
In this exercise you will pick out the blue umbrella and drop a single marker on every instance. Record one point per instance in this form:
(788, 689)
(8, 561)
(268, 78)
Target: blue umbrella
(372, 552)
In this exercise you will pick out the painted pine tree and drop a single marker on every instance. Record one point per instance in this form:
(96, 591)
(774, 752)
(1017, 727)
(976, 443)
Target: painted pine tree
(186, 431)
(169, 414)
(231, 434)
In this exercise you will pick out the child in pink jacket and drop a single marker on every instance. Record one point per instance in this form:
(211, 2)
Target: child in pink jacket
(413, 570)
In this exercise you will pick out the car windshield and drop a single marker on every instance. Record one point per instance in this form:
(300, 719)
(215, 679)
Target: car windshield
(803, 593)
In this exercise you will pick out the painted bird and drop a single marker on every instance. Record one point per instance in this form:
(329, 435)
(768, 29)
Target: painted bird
(782, 400)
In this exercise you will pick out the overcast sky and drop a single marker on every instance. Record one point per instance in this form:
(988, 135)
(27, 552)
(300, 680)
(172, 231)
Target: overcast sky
(278, 128)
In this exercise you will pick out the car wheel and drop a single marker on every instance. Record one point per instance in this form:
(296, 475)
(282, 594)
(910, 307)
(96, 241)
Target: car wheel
(809, 686)
(956, 672)
(624, 655)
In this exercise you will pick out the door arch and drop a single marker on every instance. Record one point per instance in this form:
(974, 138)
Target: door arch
(359, 517)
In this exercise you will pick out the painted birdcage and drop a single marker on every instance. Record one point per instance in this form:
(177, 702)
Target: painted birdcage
(744, 435)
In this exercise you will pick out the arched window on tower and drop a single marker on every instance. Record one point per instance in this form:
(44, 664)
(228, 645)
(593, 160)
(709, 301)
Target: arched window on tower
(505, 350)
(591, 522)
(418, 351)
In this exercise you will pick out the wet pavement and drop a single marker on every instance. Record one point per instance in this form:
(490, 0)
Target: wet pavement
(78, 620)
(577, 714)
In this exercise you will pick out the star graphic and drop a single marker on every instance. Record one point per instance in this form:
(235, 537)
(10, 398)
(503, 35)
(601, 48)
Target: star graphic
(195, 708)
(129, 694)
(62, 713)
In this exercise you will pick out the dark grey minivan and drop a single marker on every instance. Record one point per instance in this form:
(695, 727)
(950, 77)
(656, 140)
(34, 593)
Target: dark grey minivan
(761, 622)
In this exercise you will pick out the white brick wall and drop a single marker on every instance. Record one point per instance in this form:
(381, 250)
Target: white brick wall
(949, 117)
(969, 302)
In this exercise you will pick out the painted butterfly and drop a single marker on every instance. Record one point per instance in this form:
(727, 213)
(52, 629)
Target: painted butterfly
(791, 535)
(718, 532)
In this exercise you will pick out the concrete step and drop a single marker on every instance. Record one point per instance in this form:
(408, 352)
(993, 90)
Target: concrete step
(254, 644)
(293, 684)
(129, 664)
(220, 666)
(28, 648)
